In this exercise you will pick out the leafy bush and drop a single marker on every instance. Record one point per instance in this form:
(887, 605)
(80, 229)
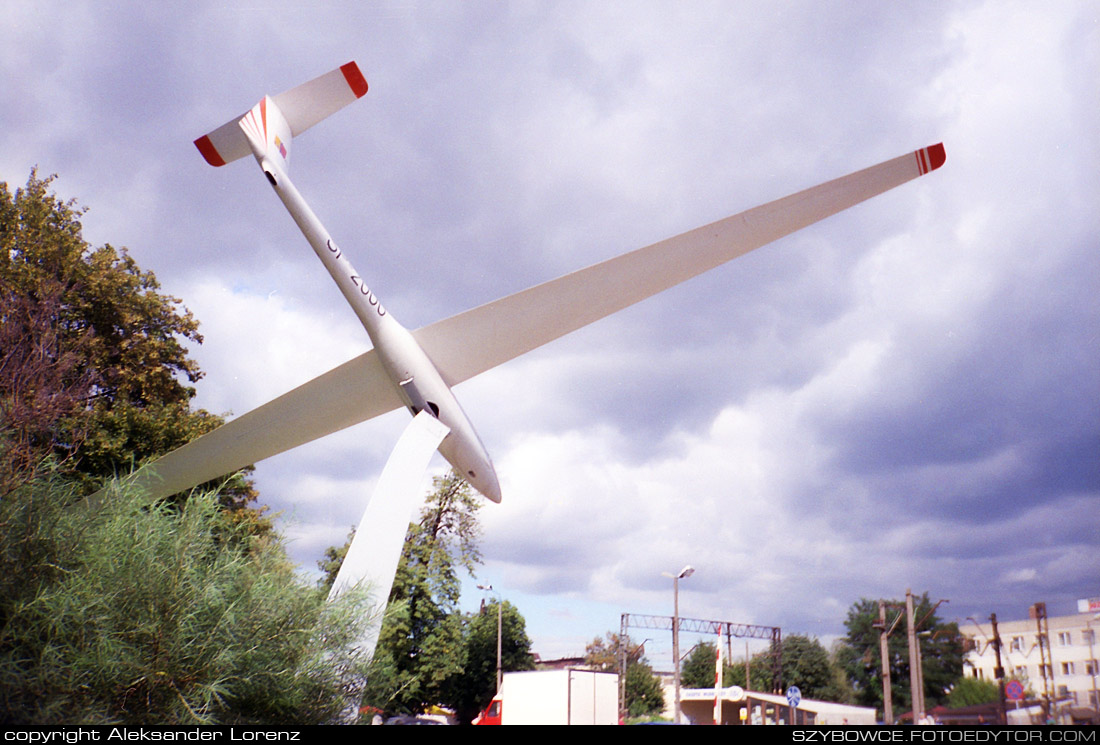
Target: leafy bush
(137, 614)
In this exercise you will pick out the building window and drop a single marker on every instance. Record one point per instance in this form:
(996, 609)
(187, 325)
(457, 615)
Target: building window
(1090, 667)
(1017, 643)
(1067, 668)
(1045, 671)
(1021, 671)
(1088, 636)
(1065, 638)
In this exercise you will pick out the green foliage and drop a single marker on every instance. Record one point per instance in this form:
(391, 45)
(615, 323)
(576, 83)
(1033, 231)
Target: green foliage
(159, 615)
(471, 689)
(428, 652)
(137, 331)
(760, 674)
(697, 669)
(420, 645)
(643, 689)
(606, 653)
(971, 692)
(858, 654)
(804, 663)
(117, 341)
(334, 559)
(644, 696)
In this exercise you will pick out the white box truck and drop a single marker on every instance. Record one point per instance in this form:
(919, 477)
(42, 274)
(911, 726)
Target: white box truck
(569, 696)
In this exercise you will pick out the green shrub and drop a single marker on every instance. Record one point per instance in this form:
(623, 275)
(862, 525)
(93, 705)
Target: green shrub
(161, 615)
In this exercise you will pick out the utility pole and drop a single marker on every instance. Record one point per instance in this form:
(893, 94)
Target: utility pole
(999, 671)
(884, 653)
(914, 661)
(1038, 611)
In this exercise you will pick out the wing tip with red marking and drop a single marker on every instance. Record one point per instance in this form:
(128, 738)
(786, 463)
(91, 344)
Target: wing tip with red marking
(209, 152)
(930, 158)
(354, 76)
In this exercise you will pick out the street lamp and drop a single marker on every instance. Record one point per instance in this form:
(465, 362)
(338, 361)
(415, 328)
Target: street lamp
(500, 609)
(684, 573)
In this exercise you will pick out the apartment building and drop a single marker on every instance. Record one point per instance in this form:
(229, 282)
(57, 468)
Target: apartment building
(1056, 653)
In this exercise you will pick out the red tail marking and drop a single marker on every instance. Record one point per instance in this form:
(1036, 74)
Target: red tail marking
(206, 147)
(356, 81)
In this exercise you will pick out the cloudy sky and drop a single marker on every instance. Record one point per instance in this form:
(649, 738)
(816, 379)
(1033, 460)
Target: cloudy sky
(906, 395)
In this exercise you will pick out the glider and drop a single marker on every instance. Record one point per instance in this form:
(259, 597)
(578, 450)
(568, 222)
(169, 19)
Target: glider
(417, 369)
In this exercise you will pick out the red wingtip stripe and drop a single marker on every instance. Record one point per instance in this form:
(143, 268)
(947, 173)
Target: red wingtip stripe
(936, 156)
(930, 158)
(206, 147)
(356, 81)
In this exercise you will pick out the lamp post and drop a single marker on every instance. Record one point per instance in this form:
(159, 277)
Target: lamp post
(684, 573)
(500, 608)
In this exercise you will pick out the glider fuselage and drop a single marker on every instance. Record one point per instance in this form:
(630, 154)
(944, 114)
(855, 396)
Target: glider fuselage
(414, 376)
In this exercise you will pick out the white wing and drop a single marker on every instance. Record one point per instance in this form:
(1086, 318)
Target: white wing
(351, 393)
(482, 338)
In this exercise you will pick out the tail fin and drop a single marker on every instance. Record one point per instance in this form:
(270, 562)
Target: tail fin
(284, 116)
(267, 128)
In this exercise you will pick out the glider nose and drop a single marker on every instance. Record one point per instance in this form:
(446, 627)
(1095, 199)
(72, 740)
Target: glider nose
(467, 455)
(487, 483)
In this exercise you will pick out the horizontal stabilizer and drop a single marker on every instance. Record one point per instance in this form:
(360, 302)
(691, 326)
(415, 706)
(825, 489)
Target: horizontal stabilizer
(481, 338)
(301, 107)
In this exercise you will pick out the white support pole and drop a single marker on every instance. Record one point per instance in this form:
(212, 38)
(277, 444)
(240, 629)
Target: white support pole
(375, 551)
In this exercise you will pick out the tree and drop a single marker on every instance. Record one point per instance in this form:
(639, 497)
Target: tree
(697, 670)
(420, 645)
(148, 615)
(803, 663)
(606, 653)
(644, 695)
(471, 689)
(760, 673)
(858, 653)
(971, 692)
(40, 382)
(643, 692)
(806, 664)
(117, 345)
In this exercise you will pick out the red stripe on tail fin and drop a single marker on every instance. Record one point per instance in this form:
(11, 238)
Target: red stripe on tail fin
(356, 81)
